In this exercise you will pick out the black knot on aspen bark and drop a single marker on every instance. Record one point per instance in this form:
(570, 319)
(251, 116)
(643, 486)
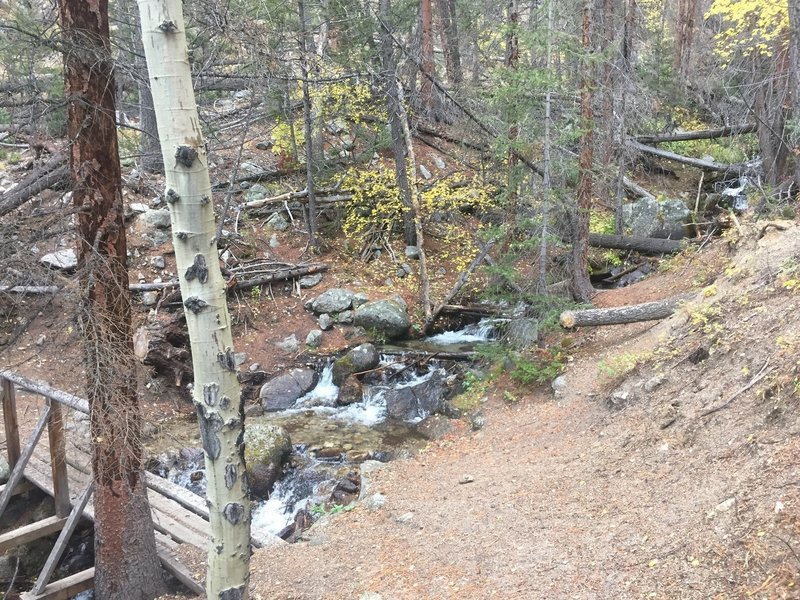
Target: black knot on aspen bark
(182, 236)
(230, 476)
(236, 593)
(205, 200)
(225, 403)
(198, 270)
(210, 425)
(234, 513)
(185, 156)
(172, 196)
(211, 393)
(168, 26)
(227, 359)
(195, 304)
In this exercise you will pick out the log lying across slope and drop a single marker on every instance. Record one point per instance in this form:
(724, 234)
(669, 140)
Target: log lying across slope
(52, 174)
(701, 134)
(618, 315)
(705, 165)
(645, 245)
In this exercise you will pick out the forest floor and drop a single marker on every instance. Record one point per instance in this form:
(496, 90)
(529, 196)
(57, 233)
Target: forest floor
(666, 469)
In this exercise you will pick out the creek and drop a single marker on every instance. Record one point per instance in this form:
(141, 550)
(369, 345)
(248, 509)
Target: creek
(329, 441)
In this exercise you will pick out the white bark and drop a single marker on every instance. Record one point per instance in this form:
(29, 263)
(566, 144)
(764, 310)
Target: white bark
(216, 389)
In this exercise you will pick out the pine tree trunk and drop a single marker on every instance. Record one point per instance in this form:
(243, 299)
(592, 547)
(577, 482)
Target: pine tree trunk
(580, 286)
(794, 71)
(449, 35)
(305, 47)
(427, 65)
(217, 395)
(126, 564)
(393, 107)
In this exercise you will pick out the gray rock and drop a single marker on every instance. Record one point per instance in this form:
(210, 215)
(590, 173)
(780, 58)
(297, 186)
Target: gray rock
(477, 421)
(314, 338)
(265, 145)
(423, 170)
(273, 241)
(289, 344)
(157, 218)
(374, 502)
(359, 299)
(325, 321)
(138, 207)
(401, 273)
(309, 281)
(620, 398)
(345, 317)
(523, 333)
(254, 367)
(416, 401)
(648, 217)
(359, 359)
(276, 222)
(158, 262)
(155, 201)
(386, 318)
(256, 192)
(266, 450)
(251, 168)
(407, 268)
(412, 252)
(150, 298)
(334, 300)
(559, 385)
(254, 410)
(654, 382)
(283, 391)
(63, 260)
(440, 164)
(240, 358)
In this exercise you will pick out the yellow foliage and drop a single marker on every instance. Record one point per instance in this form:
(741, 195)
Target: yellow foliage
(755, 24)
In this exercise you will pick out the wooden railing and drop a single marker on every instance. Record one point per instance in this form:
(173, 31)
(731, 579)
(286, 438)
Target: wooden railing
(66, 518)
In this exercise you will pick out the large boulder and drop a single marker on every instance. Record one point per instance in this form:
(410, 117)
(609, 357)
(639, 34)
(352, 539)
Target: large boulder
(266, 449)
(386, 318)
(335, 300)
(283, 391)
(359, 359)
(416, 401)
(5, 470)
(650, 218)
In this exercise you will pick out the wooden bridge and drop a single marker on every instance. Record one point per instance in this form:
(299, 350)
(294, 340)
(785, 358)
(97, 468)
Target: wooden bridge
(63, 470)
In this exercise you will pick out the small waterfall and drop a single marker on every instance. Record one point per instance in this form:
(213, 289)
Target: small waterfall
(483, 331)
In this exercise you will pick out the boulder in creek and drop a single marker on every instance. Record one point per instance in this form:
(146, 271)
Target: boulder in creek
(266, 449)
(350, 392)
(416, 401)
(334, 300)
(283, 391)
(359, 359)
(386, 318)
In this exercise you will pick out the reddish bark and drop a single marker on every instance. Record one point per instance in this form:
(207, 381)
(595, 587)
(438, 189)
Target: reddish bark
(125, 554)
(427, 64)
(580, 286)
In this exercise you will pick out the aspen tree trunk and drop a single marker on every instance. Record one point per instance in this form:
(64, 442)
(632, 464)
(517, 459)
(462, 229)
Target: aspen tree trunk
(126, 564)
(216, 389)
(794, 73)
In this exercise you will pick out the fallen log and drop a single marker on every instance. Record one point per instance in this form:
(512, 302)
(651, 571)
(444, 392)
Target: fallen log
(280, 276)
(701, 134)
(635, 189)
(644, 245)
(618, 315)
(53, 173)
(705, 165)
(29, 290)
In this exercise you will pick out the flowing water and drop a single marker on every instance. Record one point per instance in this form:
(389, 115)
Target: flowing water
(345, 435)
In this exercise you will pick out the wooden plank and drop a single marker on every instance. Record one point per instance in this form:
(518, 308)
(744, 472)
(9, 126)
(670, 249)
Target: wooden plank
(174, 566)
(37, 387)
(34, 531)
(179, 494)
(58, 460)
(66, 588)
(25, 456)
(10, 421)
(182, 534)
(63, 540)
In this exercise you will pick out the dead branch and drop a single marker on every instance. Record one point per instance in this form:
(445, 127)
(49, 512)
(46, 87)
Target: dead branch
(630, 242)
(762, 373)
(705, 165)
